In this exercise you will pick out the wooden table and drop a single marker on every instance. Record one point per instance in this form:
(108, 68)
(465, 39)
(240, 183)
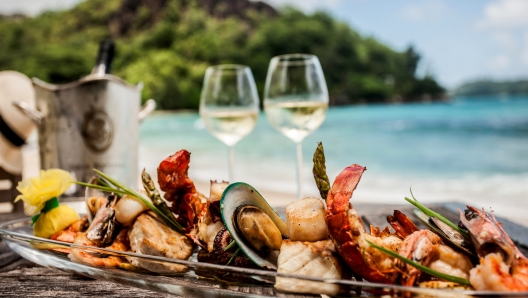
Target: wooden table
(21, 278)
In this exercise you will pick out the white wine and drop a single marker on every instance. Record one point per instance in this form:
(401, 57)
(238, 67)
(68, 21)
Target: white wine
(230, 126)
(296, 120)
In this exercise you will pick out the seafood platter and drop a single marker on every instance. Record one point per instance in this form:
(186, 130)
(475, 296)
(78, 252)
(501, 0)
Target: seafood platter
(231, 242)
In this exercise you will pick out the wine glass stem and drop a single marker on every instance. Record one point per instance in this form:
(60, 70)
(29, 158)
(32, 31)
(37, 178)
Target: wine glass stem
(231, 168)
(299, 171)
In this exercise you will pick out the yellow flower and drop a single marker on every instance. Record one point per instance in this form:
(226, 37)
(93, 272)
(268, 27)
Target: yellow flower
(37, 190)
(54, 220)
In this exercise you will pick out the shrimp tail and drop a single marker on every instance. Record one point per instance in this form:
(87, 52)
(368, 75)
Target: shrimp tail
(402, 224)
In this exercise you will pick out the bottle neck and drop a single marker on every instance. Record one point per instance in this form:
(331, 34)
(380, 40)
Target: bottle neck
(100, 70)
(104, 58)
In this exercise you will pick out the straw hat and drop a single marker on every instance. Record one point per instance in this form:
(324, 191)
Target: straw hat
(15, 127)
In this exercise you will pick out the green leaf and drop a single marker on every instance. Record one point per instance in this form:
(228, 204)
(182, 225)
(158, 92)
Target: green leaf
(423, 268)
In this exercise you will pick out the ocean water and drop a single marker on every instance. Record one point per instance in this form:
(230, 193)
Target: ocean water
(471, 150)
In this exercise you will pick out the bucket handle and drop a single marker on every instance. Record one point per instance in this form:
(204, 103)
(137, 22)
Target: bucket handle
(146, 109)
(34, 115)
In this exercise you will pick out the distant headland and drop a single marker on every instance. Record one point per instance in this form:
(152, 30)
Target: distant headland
(492, 87)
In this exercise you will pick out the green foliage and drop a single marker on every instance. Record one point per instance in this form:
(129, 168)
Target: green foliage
(169, 51)
(167, 77)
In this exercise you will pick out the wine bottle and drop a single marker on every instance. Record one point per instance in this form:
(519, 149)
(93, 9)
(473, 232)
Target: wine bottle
(104, 57)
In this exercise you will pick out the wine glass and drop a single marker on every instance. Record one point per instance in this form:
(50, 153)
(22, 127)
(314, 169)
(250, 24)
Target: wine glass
(296, 99)
(229, 105)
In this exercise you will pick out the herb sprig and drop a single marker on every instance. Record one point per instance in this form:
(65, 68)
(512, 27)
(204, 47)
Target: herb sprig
(423, 268)
(233, 256)
(231, 245)
(432, 213)
(112, 185)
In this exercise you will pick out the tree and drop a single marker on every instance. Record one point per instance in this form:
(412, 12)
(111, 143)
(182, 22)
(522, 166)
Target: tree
(168, 44)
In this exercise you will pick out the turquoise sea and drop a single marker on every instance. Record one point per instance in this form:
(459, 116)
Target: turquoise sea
(469, 150)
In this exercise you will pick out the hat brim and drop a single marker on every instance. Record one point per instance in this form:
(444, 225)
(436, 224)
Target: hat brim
(15, 86)
(11, 157)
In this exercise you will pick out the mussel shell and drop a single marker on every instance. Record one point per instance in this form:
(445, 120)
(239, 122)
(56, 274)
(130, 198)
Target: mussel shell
(451, 233)
(454, 237)
(261, 233)
(103, 228)
(238, 194)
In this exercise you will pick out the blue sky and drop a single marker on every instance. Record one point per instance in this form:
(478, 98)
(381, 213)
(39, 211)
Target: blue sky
(458, 40)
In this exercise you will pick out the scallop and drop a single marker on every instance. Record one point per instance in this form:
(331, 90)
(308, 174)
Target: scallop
(306, 220)
(242, 206)
(128, 208)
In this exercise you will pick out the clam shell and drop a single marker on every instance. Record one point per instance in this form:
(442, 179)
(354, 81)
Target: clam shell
(238, 194)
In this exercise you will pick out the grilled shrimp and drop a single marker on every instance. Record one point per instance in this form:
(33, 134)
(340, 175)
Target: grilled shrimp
(426, 248)
(99, 259)
(401, 224)
(348, 233)
(350, 237)
(502, 266)
(451, 262)
(419, 247)
(68, 234)
(179, 189)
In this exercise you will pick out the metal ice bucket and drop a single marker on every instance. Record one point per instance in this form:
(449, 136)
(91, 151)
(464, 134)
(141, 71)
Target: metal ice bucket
(90, 123)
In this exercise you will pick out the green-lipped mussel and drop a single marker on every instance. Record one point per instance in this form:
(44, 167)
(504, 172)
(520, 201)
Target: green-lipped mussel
(253, 224)
(257, 228)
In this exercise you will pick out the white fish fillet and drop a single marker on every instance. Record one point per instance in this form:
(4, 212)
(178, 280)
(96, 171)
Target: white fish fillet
(150, 237)
(315, 259)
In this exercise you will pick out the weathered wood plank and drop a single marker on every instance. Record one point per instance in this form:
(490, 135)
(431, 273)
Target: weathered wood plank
(46, 282)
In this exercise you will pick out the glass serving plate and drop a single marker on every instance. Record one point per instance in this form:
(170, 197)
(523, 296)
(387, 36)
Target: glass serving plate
(200, 279)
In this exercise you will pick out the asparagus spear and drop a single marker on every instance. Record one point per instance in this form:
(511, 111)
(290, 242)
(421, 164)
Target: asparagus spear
(319, 171)
(154, 195)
